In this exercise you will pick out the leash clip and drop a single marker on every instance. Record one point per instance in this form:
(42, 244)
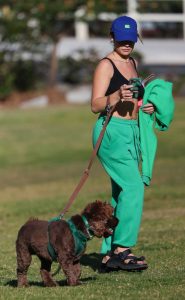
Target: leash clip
(61, 216)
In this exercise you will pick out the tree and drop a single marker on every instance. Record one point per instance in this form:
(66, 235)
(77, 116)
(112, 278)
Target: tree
(34, 23)
(30, 25)
(165, 6)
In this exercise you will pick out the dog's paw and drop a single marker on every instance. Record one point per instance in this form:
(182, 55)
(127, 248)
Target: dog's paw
(25, 285)
(51, 284)
(74, 283)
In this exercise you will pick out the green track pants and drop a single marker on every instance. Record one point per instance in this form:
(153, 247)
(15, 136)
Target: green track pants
(119, 154)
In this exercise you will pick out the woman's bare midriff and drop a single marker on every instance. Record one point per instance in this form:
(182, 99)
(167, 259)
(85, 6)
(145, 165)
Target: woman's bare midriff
(126, 110)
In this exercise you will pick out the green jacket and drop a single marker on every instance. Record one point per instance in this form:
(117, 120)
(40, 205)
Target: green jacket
(159, 93)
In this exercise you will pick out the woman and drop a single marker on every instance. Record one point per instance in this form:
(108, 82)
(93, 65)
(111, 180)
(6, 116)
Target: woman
(119, 152)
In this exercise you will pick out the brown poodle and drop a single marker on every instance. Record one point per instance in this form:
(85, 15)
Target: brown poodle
(64, 241)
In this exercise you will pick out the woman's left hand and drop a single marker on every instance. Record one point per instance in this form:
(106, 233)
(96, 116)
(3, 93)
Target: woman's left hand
(148, 108)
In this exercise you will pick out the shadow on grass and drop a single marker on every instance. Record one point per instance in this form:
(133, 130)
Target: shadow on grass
(13, 283)
(92, 260)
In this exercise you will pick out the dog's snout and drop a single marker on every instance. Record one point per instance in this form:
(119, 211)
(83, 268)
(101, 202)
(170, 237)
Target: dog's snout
(113, 222)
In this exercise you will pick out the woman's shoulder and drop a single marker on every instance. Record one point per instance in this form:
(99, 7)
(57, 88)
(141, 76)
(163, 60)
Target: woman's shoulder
(105, 64)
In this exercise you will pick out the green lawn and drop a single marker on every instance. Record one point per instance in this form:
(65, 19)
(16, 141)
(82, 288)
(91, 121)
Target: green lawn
(42, 156)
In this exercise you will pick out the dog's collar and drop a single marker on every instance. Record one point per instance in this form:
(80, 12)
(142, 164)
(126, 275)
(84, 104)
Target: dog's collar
(88, 227)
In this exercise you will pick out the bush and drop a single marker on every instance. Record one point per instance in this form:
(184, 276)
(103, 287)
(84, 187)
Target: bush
(6, 78)
(78, 69)
(25, 75)
(20, 75)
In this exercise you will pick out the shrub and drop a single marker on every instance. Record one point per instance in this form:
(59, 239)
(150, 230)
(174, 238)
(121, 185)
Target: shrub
(79, 68)
(6, 78)
(25, 75)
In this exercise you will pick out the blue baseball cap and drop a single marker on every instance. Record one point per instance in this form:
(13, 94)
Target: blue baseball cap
(124, 29)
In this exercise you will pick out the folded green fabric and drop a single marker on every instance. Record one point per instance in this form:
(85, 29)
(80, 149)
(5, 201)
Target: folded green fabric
(159, 93)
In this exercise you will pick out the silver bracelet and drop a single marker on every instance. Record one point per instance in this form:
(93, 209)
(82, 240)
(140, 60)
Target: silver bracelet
(107, 108)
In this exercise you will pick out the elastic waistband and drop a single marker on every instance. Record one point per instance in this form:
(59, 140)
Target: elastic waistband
(120, 120)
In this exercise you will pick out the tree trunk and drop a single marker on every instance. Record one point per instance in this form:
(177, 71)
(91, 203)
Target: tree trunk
(53, 66)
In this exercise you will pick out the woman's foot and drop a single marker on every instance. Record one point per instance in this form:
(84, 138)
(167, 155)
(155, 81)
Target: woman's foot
(123, 259)
(103, 267)
(140, 260)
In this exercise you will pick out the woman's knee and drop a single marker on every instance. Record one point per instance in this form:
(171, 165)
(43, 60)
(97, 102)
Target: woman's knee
(135, 190)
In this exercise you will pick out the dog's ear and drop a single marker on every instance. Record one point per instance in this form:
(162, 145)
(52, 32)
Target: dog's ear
(93, 208)
(97, 207)
(108, 208)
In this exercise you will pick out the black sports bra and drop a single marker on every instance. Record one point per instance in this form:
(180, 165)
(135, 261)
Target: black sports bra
(118, 80)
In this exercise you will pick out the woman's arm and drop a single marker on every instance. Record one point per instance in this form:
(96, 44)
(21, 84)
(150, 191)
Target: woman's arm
(101, 80)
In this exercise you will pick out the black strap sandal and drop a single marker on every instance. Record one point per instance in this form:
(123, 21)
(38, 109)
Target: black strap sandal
(126, 262)
(103, 268)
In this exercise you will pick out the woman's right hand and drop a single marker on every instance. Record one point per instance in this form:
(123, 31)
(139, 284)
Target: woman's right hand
(115, 97)
(125, 92)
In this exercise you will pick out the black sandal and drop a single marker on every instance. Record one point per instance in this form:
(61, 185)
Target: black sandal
(126, 262)
(103, 268)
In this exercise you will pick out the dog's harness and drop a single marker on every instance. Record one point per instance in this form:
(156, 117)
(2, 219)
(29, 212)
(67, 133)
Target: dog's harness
(80, 239)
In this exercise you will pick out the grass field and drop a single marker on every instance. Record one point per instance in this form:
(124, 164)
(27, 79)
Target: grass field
(42, 156)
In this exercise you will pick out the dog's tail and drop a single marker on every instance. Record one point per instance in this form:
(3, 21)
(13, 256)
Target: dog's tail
(57, 271)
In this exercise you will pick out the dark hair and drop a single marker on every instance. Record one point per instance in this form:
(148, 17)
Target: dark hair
(112, 34)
